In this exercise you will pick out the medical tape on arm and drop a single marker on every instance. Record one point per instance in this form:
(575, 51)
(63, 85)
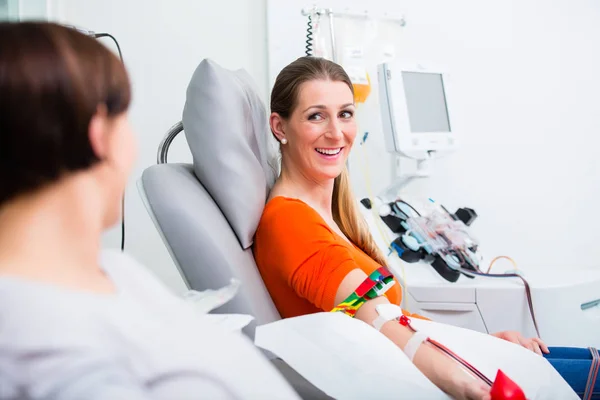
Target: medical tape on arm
(413, 344)
(392, 312)
(376, 284)
(387, 312)
(405, 321)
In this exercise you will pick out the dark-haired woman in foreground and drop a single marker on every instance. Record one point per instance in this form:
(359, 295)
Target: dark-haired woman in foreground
(76, 323)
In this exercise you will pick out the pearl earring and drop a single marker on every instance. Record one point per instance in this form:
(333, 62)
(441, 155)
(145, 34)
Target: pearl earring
(284, 141)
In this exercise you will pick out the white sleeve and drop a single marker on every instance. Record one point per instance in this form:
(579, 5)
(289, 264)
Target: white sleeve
(64, 376)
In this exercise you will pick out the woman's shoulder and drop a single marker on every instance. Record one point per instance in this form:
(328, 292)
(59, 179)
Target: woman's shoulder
(28, 308)
(292, 216)
(281, 208)
(285, 202)
(134, 278)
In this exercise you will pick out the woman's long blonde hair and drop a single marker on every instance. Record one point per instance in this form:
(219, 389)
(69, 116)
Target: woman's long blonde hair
(284, 98)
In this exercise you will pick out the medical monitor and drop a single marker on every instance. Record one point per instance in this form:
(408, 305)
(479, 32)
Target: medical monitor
(415, 110)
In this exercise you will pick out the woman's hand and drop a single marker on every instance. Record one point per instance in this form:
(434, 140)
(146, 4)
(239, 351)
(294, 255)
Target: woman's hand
(534, 344)
(466, 387)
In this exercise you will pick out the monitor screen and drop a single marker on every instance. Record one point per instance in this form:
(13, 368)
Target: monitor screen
(426, 102)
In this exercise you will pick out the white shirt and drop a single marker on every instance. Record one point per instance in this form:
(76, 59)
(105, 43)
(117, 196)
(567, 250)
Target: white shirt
(141, 343)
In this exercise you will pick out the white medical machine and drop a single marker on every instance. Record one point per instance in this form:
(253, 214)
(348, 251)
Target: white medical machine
(415, 115)
(414, 109)
(432, 252)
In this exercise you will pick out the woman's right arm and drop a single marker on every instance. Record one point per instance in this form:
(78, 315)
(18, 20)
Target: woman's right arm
(444, 372)
(295, 243)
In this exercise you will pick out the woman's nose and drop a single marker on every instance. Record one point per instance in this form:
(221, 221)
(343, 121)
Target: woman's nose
(334, 131)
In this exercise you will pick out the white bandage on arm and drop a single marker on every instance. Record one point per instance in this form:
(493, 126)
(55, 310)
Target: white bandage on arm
(413, 344)
(387, 312)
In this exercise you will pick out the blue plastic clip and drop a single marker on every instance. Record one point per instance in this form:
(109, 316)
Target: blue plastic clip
(397, 248)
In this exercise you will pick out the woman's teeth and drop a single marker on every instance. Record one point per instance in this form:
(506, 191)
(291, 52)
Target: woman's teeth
(329, 152)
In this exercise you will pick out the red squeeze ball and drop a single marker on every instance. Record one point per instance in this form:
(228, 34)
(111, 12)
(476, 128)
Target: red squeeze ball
(505, 389)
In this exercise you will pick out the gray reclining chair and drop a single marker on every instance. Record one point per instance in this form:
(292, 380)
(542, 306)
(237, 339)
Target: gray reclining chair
(207, 212)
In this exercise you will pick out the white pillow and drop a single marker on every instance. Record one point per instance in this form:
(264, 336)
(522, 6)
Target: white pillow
(349, 359)
(225, 123)
(345, 358)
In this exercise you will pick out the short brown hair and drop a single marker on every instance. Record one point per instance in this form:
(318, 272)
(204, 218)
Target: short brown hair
(52, 80)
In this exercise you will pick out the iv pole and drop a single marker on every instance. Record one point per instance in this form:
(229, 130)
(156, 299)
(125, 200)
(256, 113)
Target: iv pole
(309, 12)
(320, 12)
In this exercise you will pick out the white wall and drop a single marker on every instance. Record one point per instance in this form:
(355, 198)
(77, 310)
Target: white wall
(527, 103)
(4, 14)
(9, 10)
(31, 9)
(162, 43)
(526, 84)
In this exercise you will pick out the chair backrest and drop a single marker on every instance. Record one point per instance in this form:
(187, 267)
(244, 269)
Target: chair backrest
(207, 212)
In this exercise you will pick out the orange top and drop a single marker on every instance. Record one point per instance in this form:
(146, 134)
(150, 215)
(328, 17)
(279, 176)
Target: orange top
(303, 261)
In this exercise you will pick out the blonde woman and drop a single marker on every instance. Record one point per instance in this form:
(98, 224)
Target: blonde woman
(312, 247)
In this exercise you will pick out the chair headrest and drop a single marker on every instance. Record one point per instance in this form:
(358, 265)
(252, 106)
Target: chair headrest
(225, 123)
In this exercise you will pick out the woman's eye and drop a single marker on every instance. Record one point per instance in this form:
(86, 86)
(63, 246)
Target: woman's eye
(315, 117)
(346, 114)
